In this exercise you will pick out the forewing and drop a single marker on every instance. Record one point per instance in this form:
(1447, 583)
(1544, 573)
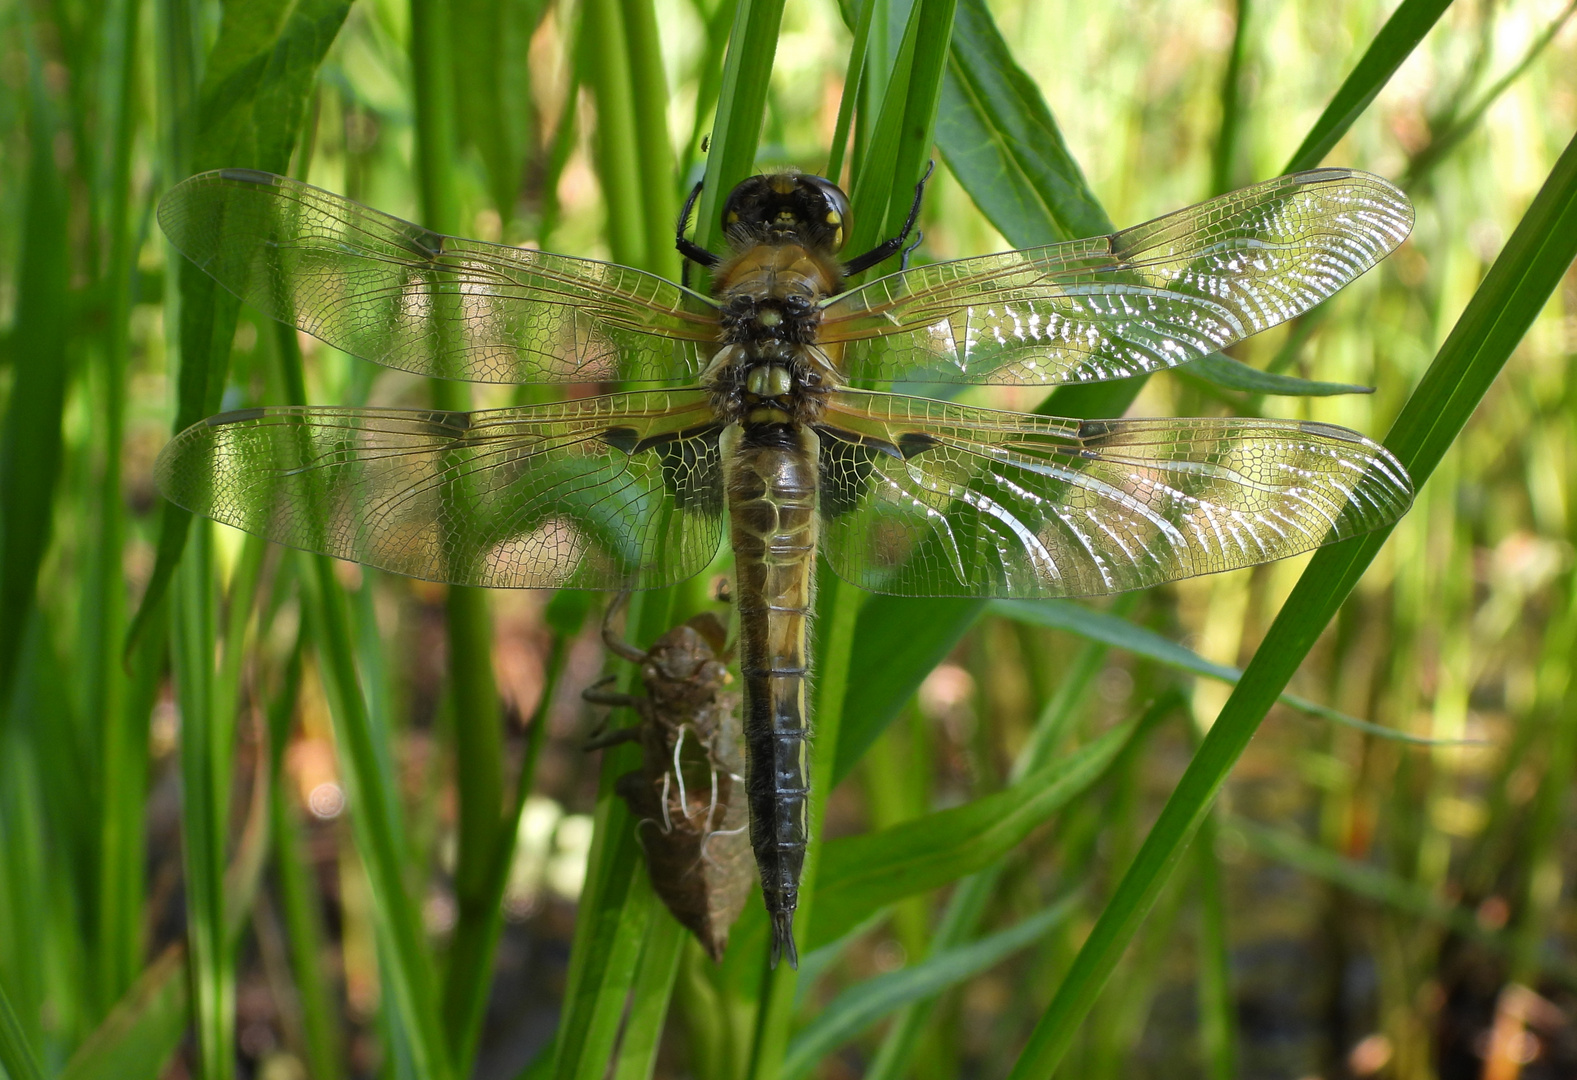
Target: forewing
(1150, 297)
(613, 492)
(405, 297)
(926, 498)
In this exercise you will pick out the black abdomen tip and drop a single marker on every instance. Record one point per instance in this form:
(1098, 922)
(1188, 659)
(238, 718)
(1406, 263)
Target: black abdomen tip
(783, 939)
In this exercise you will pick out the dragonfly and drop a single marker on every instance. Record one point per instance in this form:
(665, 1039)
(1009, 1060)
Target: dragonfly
(758, 410)
(688, 794)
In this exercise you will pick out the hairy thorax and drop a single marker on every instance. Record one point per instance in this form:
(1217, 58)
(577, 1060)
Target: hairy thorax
(769, 371)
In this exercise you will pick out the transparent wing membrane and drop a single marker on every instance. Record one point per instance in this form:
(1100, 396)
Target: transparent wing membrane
(405, 297)
(614, 492)
(1150, 297)
(926, 498)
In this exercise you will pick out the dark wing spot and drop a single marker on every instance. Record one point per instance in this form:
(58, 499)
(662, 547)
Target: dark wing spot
(911, 443)
(689, 464)
(623, 439)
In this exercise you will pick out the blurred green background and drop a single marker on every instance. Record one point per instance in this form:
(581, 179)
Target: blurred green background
(291, 819)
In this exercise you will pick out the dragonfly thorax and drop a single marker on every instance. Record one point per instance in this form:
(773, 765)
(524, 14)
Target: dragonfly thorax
(770, 383)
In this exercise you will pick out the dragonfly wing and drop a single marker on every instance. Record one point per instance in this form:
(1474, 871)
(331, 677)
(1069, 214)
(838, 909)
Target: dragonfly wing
(926, 498)
(1150, 297)
(409, 298)
(615, 492)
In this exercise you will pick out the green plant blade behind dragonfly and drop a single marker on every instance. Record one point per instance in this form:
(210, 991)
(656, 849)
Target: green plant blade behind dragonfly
(255, 127)
(1034, 192)
(1516, 288)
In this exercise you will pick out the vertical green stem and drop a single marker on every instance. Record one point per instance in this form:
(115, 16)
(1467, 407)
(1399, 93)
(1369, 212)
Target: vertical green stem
(119, 914)
(1217, 1007)
(649, 89)
(204, 806)
(1225, 151)
(618, 147)
(478, 734)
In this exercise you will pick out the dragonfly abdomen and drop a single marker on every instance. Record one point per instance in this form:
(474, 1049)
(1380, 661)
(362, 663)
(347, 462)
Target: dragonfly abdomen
(771, 484)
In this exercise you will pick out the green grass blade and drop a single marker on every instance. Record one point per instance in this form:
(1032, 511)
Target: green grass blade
(136, 1040)
(492, 89)
(478, 734)
(901, 138)
(122, 737)
(657, 187)
(16, 1053)
(1120, 633)
(1393, 44)
(30, 445)
(205, 803)
(1217, 1006)
(468, 1004)
(862, 1005)
(1225, 153)
(1516, 288)
(407, 969)
(617, 142)
(649, 996)
(615, 913)
(300, 902)
(256, 83)
(409, 980)
(741, 105)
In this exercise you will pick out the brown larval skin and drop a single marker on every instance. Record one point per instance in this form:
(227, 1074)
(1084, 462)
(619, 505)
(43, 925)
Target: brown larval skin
(769, 383)
(686, 794)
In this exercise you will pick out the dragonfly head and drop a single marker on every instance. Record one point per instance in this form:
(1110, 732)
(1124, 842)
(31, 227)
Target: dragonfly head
(787, 207)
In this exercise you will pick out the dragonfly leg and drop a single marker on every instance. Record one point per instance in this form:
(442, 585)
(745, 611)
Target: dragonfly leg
(692, 251)
(888, 248)
(617, 645)
(605, 736)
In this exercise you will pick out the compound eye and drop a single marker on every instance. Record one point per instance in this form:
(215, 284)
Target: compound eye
(832, 209)
(743, 203)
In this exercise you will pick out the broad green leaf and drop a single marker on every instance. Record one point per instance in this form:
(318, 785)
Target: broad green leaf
(896, 644)
(1499, 314)
(1002, 143)
(863, 1004)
